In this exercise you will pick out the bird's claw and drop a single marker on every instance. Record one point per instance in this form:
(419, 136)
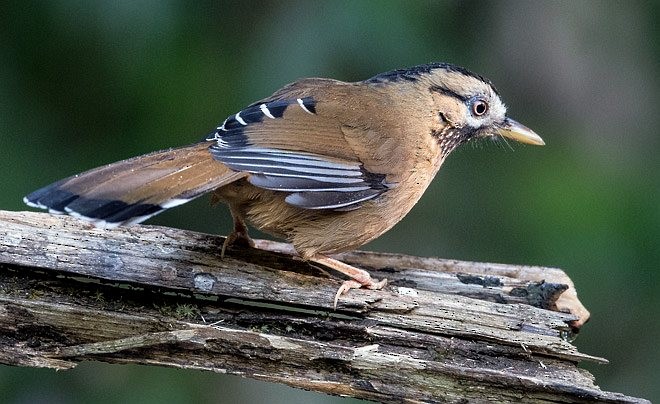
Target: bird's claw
(236, 238)
(354, 284)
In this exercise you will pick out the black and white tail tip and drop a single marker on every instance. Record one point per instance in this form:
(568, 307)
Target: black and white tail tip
(106, 214)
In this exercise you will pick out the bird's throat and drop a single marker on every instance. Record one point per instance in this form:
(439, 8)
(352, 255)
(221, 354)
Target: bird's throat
(449, 138)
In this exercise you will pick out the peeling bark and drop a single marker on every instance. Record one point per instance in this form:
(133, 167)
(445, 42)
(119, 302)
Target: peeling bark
(442, 331)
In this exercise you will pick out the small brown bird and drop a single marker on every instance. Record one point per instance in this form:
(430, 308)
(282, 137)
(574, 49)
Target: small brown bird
(324, 164)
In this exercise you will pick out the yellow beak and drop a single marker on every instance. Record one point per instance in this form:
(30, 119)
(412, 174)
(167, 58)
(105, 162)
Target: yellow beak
(520, 133)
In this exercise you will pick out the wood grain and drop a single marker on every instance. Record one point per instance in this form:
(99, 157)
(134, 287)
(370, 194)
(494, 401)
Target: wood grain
(442, 331)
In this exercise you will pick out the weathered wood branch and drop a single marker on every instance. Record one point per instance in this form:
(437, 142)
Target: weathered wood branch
(441, 331)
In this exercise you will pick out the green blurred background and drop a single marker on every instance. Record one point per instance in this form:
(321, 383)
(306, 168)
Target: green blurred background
(84, 83)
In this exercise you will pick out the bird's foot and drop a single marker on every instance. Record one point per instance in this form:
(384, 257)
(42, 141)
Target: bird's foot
(359, 277)
(240, 238)
(353, 284)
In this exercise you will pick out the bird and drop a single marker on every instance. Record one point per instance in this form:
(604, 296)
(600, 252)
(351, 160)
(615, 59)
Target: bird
(326, 165)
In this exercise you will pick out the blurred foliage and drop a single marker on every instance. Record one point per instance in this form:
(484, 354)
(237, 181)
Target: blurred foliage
(84, 83)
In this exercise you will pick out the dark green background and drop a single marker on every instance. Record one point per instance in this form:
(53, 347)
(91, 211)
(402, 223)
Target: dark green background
(84, 83)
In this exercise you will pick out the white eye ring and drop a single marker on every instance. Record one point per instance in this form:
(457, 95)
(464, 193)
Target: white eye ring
(479, 107)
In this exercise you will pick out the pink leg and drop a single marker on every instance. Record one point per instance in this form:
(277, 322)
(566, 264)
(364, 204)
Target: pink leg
(359, 277)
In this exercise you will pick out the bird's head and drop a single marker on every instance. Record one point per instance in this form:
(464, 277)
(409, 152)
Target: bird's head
(466, 105)
(470, 107)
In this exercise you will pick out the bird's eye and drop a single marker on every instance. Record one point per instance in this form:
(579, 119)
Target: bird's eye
(479, 107)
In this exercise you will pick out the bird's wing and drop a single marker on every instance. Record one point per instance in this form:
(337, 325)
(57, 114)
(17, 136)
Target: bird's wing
(294, 142)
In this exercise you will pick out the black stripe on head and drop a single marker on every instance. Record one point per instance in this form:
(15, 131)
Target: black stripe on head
(446, 91)
(413, 74)
(396, 75)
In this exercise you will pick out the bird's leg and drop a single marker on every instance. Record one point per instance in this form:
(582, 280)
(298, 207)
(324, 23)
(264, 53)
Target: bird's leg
(239, 236)
(359, 277)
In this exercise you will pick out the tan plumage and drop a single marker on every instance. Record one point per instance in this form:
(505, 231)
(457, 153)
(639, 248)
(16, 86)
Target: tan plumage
(156, 177)
(344, 130)
(325, 164)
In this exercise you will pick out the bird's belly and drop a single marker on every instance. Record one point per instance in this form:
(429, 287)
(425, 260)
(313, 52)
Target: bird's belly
(323, 231)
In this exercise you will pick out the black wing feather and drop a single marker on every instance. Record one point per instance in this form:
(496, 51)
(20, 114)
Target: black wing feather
(313, 181)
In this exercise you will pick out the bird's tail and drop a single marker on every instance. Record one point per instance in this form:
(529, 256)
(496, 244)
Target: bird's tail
(133, 190)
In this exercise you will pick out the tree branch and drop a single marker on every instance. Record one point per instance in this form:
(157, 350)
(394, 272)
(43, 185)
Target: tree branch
(442, 331)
